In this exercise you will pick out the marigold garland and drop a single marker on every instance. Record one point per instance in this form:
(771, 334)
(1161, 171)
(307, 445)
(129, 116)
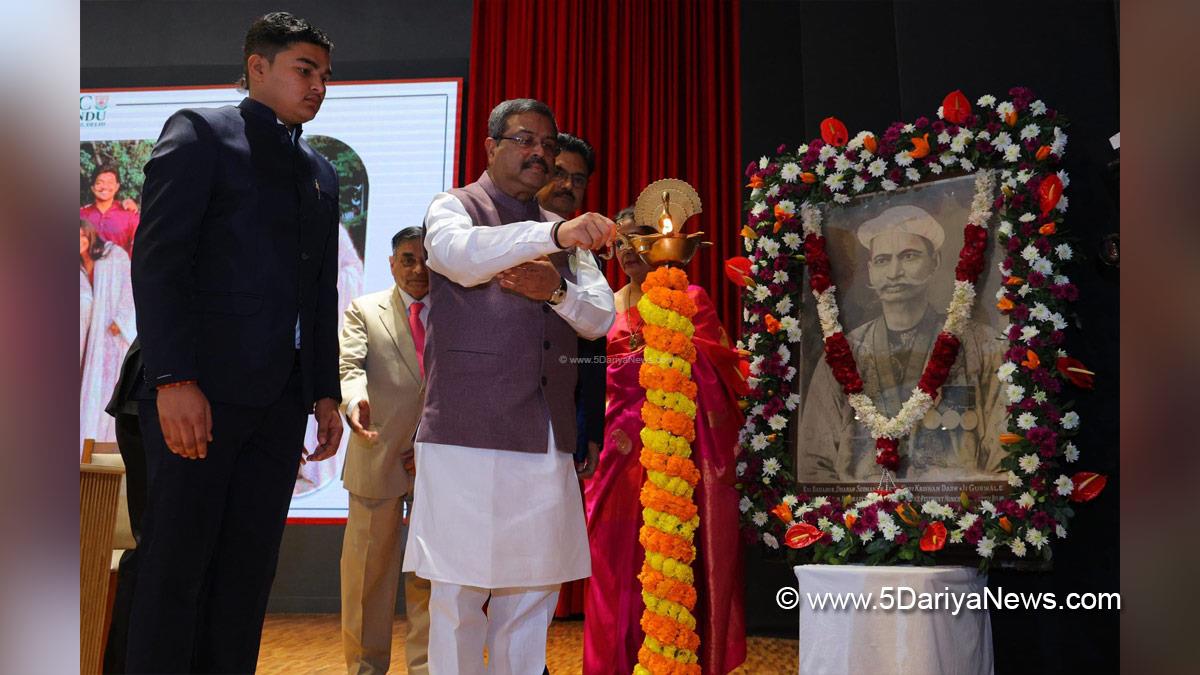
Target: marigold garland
(669, 512)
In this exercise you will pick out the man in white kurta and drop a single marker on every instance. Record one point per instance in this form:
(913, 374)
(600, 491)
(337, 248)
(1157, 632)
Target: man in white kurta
(490, 523)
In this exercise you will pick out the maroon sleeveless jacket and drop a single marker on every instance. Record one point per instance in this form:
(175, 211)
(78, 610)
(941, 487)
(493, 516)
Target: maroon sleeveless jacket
(498, 370)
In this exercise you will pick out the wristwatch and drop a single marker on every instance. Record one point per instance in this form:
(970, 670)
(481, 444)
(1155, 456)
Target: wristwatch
(559, 293)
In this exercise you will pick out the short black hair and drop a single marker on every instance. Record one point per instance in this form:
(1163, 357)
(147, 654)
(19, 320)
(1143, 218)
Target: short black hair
(106, 168)
(407, 234)
(623, 214)
(498, 119)
(272, 33)
(575, 144)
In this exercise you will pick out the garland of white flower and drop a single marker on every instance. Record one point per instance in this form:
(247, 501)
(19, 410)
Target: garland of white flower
(886, 527)
(958, 314)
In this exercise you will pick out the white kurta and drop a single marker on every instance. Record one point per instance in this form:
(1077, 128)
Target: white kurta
(494, 518)
(111, 303)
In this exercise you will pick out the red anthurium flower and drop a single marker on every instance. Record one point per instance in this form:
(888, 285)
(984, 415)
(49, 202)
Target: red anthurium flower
(802, 535)
(955, 107)
(1074, 370)
(737, 270)
(834, 132)
(934, 537)
(1087, 485)
(1049, 192)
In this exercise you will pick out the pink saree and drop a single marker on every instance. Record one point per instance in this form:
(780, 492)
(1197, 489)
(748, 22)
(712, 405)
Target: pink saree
(613, 606)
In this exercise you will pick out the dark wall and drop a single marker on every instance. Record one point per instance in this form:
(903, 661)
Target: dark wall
(873, 63)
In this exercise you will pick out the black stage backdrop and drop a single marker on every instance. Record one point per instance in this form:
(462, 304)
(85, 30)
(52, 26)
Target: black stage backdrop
(868, 63)
(873, 63)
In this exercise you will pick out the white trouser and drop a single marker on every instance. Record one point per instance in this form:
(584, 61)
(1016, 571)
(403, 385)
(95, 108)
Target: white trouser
(513, 630)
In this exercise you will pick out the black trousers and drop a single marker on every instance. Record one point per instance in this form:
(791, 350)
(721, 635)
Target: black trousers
(129, 440)
(210, 538)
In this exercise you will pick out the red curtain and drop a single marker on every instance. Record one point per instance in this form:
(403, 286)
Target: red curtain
(653, 85)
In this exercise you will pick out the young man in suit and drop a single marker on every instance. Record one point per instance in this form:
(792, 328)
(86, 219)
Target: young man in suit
(234, 279)
(383, 384)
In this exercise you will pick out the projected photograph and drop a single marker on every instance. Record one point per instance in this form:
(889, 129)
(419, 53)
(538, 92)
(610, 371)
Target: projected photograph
(111, 177)
(893, 257)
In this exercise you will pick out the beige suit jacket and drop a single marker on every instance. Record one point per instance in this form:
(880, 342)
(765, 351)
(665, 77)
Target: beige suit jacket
(379, 363)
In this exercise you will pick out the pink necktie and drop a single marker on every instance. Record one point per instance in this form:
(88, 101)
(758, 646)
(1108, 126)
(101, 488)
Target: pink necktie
(418, 332)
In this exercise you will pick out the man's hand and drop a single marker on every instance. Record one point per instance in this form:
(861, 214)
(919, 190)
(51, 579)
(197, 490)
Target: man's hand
(587, 467)
(591, 232)
(359, 418)
(329, 430)
(130, 205)
(536, 279)
(186, 420)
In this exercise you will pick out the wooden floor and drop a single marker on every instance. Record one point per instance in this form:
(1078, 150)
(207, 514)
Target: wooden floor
(311, 643)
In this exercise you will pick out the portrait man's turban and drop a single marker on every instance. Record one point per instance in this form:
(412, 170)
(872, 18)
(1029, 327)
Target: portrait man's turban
(910, 219)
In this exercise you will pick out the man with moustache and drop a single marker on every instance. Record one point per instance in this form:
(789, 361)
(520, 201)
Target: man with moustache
(114, 221)
(497, 514)
(383, 381)
(234, 279)
(959, 437)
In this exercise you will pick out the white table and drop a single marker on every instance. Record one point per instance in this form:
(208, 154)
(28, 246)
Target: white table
(883, 641)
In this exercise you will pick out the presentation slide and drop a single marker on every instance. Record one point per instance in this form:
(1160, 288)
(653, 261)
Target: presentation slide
(394, 145)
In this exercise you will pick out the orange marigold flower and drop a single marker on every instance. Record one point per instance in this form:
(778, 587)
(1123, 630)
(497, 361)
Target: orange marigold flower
(671, 277)
(668, 545)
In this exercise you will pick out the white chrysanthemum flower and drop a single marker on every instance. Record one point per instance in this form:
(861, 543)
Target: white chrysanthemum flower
(791, 240)
(1002, 141)
(943, 138)
(912, 174)
(841, 163)
(1026, 421)
(741, 470)
(1006, 228)
(902, 158)
(761, 293)
(773, 191)
(867, 536)
(802, 149)
(1005, 372)
(1015, 393)
(1030, 131)
(1018, 548)
(763, 162)
(1070, 420)
(837, 533)
(759, 442)
(758, 208)
(887, 185)
(789, 500)
(824, 524)
(770, 540)
(772, 466)
(835, 182)
(745, 504)
(948, 158)
(984, 547)
(769, 246)
(841, 198)
(1059, 322)
(901, 495)
(966, 164)
(780, 277)
(935, 169)
(986, 101)
(827, 151)
(958, 145)
(759, 518)
(888, 530)
(1039, 396)
(793, 335)
(1060, 531)
(787, 206)
(789, 323)
(1005, 107)
(1059, 144)
(1012, 153)
(1026, 500)
(1024, 290)
(1015, 480)
(988, 507)
(877, 168)
(956, 537)
(777, 422)
(784, 305)
(1070, 452)
(1040, 312)
(1029, 463)
(1024, 175)
(1035, 538)
(1042, 266)
(858, 184)
(1037, 107)
(1061, 279)
(1028, 333)
(791, 401)
(1064, 485)
(790, 172)
(752, 342)
(1064, 251)
(1066, 179)
(940, 113)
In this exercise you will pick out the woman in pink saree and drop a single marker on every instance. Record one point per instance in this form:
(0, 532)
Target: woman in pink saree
(613, 604)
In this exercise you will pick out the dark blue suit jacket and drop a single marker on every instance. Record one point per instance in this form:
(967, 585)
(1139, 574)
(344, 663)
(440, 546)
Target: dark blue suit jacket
(238, 236)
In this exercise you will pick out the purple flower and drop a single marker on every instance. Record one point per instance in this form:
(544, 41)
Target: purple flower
(1036, 279)
(1043, 520)
(1020, 313)
(901, 538)
(921, 122)
(938, 126)
(781, 149)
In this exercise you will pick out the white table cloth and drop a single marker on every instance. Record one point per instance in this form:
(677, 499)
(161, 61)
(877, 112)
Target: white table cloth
(882, 641)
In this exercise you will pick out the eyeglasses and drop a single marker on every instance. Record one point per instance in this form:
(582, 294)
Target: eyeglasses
(578, 180)
(549, 146)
